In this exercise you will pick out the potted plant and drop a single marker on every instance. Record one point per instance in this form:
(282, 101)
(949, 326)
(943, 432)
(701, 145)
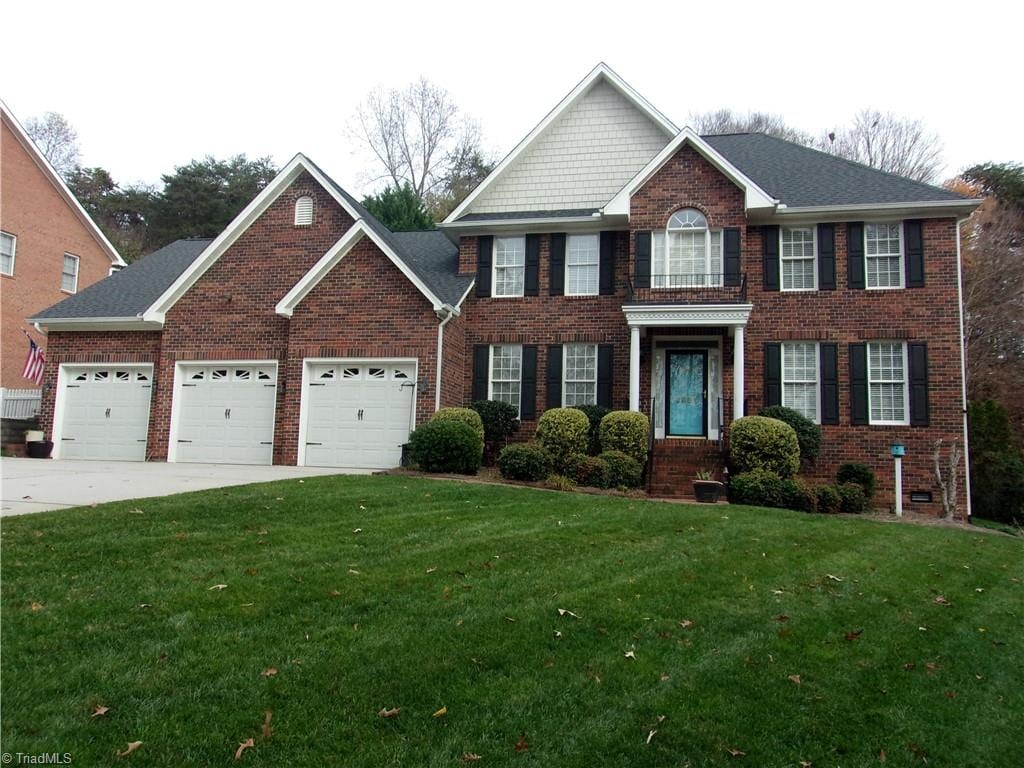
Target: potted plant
(705, 488)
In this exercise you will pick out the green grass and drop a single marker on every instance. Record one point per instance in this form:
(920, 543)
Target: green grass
(449, 596)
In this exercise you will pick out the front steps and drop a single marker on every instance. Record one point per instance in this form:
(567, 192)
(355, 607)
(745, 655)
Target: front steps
(675, 462)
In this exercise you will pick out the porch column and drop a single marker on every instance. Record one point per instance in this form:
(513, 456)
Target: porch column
(634, 368)
(737, 372)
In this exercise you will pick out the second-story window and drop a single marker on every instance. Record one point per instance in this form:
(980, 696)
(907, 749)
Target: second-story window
(509, 266)
(69, 274)
(582, 265)
(797, 253)
(883, 255)
(8, 245)
(687, 254)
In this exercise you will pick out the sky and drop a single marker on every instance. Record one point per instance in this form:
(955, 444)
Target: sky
(150, 86)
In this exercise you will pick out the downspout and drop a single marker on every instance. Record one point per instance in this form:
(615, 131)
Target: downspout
(449, 314)
(963, 367)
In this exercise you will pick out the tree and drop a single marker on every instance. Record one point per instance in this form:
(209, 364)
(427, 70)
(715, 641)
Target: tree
(888, 142)
(468, 168)
(399, 209)
(727, 121)
(120, 213)
(56, 139)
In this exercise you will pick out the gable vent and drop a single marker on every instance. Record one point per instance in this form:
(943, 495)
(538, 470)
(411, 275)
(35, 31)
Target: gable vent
(303, 211)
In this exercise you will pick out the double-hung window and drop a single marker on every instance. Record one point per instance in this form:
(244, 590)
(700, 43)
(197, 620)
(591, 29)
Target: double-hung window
(883, 255)
(509, 266)
(687, 254)
(582, 265)
(506, 373)
(800, 378)
(8, 245)
(69, 274)
(797, 253)
(887, 382)
(580, 374)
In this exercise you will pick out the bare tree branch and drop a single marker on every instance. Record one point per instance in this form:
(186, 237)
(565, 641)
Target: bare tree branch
(56, 139)
(889, 143)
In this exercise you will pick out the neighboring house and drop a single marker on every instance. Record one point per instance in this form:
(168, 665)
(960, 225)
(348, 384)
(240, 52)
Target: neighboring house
(49, 248)
(610, 258)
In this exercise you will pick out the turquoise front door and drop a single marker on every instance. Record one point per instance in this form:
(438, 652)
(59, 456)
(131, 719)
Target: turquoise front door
(686, 385)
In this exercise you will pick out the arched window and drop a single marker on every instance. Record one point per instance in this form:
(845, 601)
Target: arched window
(688, 254)
(304, 211)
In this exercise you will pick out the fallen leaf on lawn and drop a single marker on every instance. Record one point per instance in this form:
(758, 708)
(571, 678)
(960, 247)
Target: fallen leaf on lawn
(782, 618)
(100, 710)
(132, 746)
(909, 666)
(248, 605)
(685, 623)
(931, 666)
(833, 578)
(269, 672)
(265, 728)
(353, 571)
(806, 764)
(389, 712)
(630, 655)
(162, 657)
(558, 635)
(941, 600)
(136, 512)
(364, 508)
(650, 735)
(795, 679)
(853, 634)
(521, 745)
(471, 757)
(664, 677)
(357, 530)
(145, 605)
(950, 694)
(431, 570)
(37, 606)
(247, 744)
(218, 587)
(510, 620)
(566, 612)
(302, 481)
(736, 752)
(978, 589)
(441, 712)
(881, 755)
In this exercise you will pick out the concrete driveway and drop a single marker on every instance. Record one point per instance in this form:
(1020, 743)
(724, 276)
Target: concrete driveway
(33, 485)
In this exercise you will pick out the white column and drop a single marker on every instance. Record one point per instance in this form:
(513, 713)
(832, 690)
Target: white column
(737, 372)
(634, 368)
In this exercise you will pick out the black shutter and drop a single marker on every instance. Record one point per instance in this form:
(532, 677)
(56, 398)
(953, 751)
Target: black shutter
(604, 375)
(919, 411)
(829, 383)
(484, 252)
(855, 255)
(642, 267)
(914, 236)
(827, 257)
(607, 268)
(554, 396)
(772, 375)
(481, 374)
(556, 266)
(731, 252)
(770, 257)
(858, 383)
(531, 274)
(528, 384)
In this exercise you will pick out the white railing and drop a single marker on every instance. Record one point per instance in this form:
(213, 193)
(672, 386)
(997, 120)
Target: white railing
(20, 403)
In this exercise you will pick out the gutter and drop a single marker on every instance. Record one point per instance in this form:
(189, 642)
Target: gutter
(967, 204)
(449, 313)
(963, 368)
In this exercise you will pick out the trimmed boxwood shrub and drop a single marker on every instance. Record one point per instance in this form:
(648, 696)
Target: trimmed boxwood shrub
(757, 442)
(829, 500)
(799, 495)
(861, 474)
(563, 432)
(623, 471)
(594, 414)
(446, 446)
(500, 420)
(465, 415)
(626, 431)
(852, 499)
(808, 434)
(759, 488)
(524, 461)
(588, 470)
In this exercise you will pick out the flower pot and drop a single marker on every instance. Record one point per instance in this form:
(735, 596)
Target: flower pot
(707, 491)
(39, 449)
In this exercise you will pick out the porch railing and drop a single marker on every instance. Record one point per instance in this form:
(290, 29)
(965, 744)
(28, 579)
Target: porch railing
(704, 288)
(20, 403)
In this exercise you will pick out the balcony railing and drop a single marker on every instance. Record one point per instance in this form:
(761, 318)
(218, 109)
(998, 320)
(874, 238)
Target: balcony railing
(706, 288)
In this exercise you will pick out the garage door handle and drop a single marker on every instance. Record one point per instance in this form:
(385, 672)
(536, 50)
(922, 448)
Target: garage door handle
(266, 442)
(360, 414)
(68, 439)
(314, 443)
(184, 441)
(227, 413)
(108, 413)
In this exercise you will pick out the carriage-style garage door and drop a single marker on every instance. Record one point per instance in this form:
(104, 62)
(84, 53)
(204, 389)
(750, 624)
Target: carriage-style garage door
(104, 412)
(225, 413)
(358, 414)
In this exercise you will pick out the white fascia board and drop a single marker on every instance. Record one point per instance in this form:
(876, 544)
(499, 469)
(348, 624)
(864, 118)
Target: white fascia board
(676, 315)
(929, 207)
(601, 71)
(72, 324)
(534, 221)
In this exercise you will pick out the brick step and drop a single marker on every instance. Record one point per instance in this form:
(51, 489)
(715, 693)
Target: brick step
(675, 463)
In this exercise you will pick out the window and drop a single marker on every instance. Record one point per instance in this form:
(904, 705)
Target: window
(304, 211)
(887, 382)
(69, 275)
(797, 251)
(883, 255)
(506, 373)
(580, 374)
(687, 254)
(509, 266)
(582, 265)
(800, 378)
(8, 244)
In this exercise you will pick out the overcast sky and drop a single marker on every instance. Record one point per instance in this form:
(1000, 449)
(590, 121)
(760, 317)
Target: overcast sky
(149, 87)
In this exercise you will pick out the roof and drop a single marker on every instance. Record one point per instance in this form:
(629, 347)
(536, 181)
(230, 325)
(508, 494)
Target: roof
(129, 292)
(564, 213)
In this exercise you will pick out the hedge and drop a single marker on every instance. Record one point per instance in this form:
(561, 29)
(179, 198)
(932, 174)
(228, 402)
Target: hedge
(757, 442)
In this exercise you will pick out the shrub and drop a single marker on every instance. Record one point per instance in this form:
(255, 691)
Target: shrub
(559, 483)
(852, 499)
(989, 427)
(829, 500)
(563, 432)
(524, 461)
(799, 495)
(808, 434)
(626, 431)
(997, 486)
(466, 416)
(757, 442)
(500, 420)
(759, 487)
(861, 474)
(623, 471)
(588, 470)
(594, 414)
(446, 446)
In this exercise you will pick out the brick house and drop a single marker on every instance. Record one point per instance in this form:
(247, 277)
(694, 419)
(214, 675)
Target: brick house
(610, 258)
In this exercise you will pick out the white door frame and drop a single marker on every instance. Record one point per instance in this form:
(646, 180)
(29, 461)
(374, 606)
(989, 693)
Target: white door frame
(309, 362)
(57, 432)
(179, 380)
(681, 341)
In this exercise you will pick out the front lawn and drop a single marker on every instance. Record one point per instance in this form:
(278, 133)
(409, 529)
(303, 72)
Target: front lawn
(521, 626)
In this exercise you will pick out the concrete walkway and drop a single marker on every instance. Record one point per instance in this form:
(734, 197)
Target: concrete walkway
(34, 485)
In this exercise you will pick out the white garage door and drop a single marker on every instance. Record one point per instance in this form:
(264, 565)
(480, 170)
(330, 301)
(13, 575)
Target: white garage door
(225, 413)
(358, 414)
(105, 413)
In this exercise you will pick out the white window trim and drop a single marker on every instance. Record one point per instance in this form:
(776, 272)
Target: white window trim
(78, 270)
(494, 268)
(902, 257)
(565, 370)
(666, 233)
(490, 374)
(597, 264)
(14, 253)
(814, 259)
(906, 385)
(817, 377)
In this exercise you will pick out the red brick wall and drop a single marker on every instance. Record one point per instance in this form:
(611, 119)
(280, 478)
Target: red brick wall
(455, 360)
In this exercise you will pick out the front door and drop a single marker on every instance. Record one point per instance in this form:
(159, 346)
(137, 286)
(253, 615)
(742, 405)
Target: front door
(686, 401)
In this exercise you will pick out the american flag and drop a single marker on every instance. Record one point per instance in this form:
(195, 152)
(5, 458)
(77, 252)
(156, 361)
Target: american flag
(34, 364)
